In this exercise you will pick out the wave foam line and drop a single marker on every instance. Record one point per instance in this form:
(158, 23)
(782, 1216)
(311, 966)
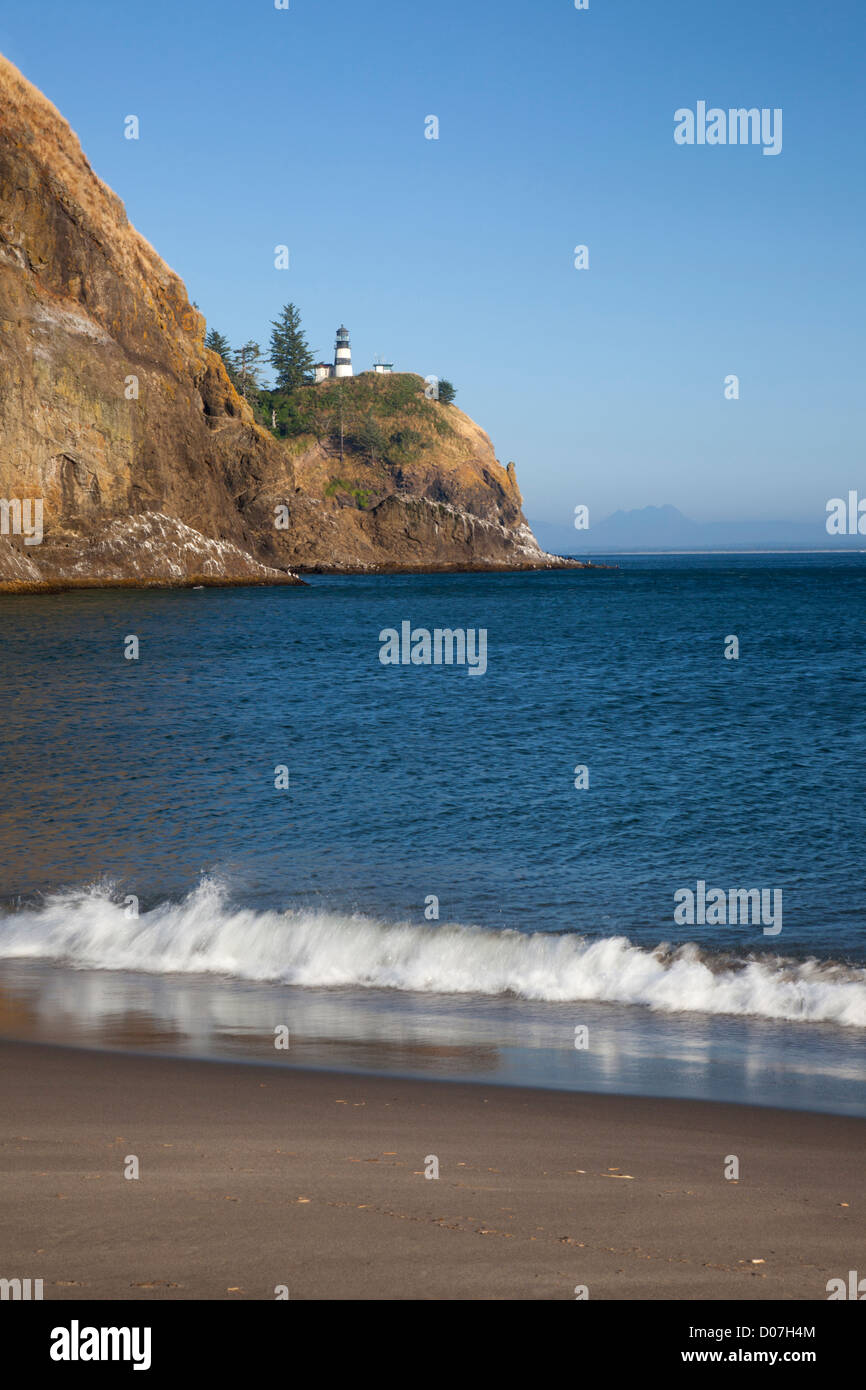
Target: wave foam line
(205, 934)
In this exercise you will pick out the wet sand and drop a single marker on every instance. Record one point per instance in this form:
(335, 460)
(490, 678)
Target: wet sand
(255, 1177)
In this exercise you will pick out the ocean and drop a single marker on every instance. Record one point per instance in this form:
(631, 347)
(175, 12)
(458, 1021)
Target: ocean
(617, 858)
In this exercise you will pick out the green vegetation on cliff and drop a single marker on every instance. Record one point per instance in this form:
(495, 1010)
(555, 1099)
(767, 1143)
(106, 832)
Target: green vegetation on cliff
(378, 418)
(387, 419)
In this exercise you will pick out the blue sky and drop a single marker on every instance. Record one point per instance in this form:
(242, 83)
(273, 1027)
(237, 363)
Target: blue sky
(305, 127)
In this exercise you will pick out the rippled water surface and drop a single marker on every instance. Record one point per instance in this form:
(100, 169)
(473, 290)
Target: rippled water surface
(152, 782)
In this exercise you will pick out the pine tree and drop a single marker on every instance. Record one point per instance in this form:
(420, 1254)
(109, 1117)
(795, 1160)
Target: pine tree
(290, 354)
(247, 368)
(218, 342)
(447, 392)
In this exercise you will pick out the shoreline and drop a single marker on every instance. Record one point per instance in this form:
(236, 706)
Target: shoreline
(432, 1061)
(292, 578)
(60, 586)
(256, 1175)
(347, 1070)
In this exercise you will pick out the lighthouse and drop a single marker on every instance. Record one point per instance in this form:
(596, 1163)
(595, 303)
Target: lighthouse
(343, 353)
(342, 363)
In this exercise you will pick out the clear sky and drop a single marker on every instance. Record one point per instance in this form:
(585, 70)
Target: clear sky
(305, 127)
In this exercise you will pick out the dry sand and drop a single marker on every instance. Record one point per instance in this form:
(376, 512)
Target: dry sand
(253, 1177)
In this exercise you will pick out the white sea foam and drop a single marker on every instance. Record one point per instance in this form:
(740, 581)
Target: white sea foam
(206, 934)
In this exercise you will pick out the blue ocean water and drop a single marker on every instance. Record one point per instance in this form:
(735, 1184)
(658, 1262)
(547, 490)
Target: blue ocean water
(155, 779)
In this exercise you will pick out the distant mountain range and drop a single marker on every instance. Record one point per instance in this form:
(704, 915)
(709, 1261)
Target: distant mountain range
(666, 528)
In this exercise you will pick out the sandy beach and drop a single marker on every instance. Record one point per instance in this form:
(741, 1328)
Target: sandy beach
(254, 1177)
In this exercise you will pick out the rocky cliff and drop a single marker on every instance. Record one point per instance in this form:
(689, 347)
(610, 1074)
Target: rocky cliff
(148, 467)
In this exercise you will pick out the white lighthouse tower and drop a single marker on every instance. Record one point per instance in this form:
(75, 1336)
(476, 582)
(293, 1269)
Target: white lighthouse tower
(343, 354)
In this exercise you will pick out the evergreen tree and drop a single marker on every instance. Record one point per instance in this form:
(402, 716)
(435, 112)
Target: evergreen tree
(218, 342)
(447, 392)
(290, 354)
(247, 367)
(369, 438)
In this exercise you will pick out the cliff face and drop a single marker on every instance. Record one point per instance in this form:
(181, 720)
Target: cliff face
(415, 485)
(148, 465)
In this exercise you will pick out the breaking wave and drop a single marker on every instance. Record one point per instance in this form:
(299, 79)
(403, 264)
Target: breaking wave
(206, 934)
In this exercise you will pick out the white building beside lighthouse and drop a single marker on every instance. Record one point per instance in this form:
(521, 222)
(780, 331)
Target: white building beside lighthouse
(342, 365)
